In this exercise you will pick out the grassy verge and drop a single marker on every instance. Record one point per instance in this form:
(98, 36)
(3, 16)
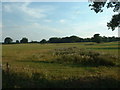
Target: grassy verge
(39, 80)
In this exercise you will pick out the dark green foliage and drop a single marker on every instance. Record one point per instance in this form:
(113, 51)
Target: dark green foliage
(110, 39)
(70, 39)
(73, 39)
(8, 40)
(115, 21)
(24, 40)
(33, 42)
(54, 40)
(83, 57)
(17, 41)
(43, 41)
(97, 38)
(98, 7)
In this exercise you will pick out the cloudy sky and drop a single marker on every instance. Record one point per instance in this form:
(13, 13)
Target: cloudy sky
(42, 20)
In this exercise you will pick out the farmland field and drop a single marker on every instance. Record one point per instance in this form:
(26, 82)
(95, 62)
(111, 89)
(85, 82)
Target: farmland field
(45, 65)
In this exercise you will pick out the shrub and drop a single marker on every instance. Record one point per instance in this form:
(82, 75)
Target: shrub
(84, 57)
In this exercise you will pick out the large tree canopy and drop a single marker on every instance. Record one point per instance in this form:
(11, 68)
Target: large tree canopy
(115, 4)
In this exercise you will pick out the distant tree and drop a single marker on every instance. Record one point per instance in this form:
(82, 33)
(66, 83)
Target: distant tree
(24, 40)
(113, 38)
(65, 40)
(105, 39)
(34, 42)
(117, 38)
(87, 40)
(8, 40)
(71, 39)
(92, 39)
(97, 38)
(17, 41)
(81, 39)
(74, 39)
(43, 41)
(54, 40)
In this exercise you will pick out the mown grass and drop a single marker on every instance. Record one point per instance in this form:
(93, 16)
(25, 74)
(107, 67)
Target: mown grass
(37, 65)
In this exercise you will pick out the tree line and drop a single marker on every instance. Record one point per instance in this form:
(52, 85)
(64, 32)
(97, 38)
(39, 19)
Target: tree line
(72, 39)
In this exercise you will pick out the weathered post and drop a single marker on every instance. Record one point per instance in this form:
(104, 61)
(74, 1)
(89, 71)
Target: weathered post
(7, 67)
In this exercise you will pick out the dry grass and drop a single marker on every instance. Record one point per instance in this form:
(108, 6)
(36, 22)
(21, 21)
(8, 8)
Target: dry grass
(32, 65)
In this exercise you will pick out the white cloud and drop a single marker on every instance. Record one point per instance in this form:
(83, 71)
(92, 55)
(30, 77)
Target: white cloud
(33, 12)
(62, 21)
(26, 9)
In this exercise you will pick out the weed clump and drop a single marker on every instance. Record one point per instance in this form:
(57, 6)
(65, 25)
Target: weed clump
(82, 56)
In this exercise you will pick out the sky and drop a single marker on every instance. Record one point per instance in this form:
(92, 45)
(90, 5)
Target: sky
(43, 20)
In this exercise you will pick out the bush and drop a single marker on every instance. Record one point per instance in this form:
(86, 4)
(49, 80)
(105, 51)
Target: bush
(84, 57)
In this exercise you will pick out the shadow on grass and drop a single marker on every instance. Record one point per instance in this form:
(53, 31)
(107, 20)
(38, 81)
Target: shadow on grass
(89, 44)
(107, 48)
(108, 44)
(35, 61)
(59, 63)
(81, 65)
(67, 64)
(37, 80)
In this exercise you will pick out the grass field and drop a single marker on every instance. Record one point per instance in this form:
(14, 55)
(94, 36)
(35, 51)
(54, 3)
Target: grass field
(37, 65)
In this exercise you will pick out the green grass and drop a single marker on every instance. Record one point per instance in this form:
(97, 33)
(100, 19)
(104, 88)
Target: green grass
(32, 65)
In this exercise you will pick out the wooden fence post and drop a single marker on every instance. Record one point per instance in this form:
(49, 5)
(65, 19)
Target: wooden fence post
(7, 67)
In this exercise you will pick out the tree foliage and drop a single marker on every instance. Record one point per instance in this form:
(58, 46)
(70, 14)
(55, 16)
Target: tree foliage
(98, 7)
(71, 39)
(17, 41)
(97, 38)
(8, 40)
(43, 41)
(24, 40)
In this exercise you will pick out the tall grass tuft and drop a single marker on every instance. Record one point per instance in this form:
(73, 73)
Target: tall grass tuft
(84, 57)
